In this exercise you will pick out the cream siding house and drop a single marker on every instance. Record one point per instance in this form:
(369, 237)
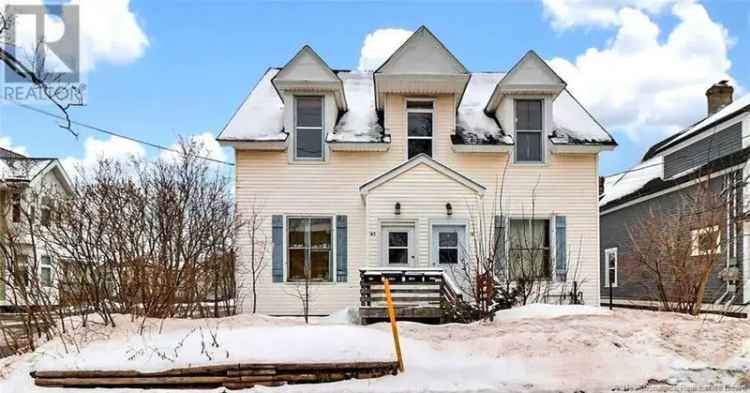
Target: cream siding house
(28, 184)
(357, 171)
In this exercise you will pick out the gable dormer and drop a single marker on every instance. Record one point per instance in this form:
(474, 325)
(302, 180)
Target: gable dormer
(421, 66)
(530, 76)
(308, 73)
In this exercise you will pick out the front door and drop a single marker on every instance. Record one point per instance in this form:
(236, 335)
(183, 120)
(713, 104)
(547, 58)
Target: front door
(398, 245)
(449, 251)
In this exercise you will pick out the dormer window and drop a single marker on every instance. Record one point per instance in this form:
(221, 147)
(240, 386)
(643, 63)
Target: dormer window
(529, 131)
(419, 115)
(308, 130)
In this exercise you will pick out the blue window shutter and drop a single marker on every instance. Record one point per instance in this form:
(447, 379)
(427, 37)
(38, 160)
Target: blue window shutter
(277, 237)
(341, 249)
(561, 258)
(499, 240)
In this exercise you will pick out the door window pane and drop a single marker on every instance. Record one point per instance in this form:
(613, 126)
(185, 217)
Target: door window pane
(398, 239)
(309, 143)
(398, 255)
(448, 255)
(398, 247)
(309, 248)
(448, 247)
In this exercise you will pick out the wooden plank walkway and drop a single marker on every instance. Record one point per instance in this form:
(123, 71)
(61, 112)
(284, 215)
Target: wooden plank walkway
(230, 376)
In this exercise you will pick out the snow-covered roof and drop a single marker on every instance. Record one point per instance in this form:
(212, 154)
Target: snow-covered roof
(472, 123)
(260, 118)
(741, 104)
(360, 122)
(22, 169)
(624, 184)
(573, 124)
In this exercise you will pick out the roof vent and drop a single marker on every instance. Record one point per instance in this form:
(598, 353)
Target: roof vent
(719, 95)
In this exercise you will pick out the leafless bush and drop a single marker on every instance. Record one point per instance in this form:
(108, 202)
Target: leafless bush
(675, 250)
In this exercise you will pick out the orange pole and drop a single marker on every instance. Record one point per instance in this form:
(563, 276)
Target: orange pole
(394, 327)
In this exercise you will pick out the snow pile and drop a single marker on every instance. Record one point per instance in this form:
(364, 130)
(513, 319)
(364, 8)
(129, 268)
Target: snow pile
(573, 124)
(472, 122)
(261, 116)
(529, 349)
(621, 185)
(547, 311)
(360, 122)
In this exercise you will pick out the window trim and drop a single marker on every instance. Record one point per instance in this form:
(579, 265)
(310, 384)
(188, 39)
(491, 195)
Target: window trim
(322, 127)
(607, 252)
(542, 132)
(695, 250)
(432, 111)
(333, 261)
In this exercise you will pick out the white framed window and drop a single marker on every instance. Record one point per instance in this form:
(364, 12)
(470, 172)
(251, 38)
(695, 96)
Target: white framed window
(308, 128)
(529, 129)
(45, 273)
(309, 246)
(610, 267)
(45, 214)
(420, 127)
(529, 251)
(706, 241)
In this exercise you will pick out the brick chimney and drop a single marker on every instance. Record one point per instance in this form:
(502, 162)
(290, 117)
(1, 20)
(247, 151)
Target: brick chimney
(719, 95)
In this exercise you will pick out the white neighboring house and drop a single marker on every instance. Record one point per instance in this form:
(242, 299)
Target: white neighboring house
(23, 181)
(362, 172)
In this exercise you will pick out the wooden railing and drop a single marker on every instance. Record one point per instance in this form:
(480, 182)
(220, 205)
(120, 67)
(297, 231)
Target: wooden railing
(417, 292)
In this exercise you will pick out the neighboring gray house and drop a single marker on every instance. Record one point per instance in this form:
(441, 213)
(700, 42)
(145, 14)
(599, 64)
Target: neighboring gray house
(717, 147)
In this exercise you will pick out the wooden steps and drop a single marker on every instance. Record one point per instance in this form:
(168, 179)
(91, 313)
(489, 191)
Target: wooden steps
(230, 376)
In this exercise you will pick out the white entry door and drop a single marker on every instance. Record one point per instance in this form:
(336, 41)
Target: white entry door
(449, 251)
(398, 245)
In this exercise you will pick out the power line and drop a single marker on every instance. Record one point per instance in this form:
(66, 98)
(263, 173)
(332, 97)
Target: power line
(112, 133)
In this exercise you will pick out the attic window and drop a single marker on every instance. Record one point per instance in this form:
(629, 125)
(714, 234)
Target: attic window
(529, 131)
(420, 127)
(308, 137)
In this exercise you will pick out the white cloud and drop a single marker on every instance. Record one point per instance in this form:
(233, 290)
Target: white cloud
(95, 149)
(209, 148)
(637, 82)
(109, 32)
(565, 14)
(7, 143)
(379, 45)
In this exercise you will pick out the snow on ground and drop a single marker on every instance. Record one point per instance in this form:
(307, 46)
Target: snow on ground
(534, 348)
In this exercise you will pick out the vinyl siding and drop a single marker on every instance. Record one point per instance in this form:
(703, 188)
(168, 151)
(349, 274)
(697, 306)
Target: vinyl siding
(566, 185)
(701, 152)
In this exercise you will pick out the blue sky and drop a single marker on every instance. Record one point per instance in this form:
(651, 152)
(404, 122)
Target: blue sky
(182, 67)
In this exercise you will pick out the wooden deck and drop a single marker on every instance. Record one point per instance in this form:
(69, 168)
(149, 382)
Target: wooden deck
(230, 376)
(420, 294)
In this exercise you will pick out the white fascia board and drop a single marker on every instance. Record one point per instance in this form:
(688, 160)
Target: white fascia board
(256, 145)
(482, 148)
(580, 149)
(359, 146)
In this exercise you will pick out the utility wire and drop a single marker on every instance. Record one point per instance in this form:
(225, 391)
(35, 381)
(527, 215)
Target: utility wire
(112, 133)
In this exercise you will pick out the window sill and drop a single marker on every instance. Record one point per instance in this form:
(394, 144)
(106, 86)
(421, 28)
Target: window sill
(312, 283)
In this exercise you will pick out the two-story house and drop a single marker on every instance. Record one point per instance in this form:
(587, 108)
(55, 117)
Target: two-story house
(28, 188)
(713, 152)
(358, 171)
